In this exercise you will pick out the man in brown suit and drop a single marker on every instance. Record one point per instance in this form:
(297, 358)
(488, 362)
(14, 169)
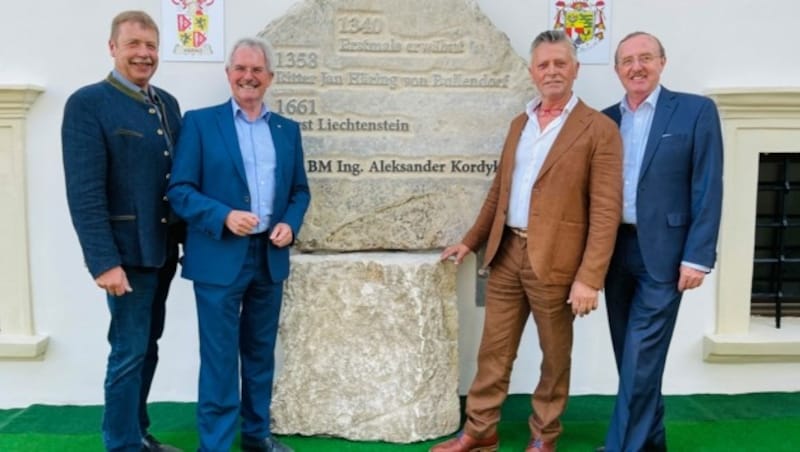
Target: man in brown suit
(549, 223)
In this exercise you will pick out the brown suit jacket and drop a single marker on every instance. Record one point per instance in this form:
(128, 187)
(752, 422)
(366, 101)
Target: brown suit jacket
(576, 203)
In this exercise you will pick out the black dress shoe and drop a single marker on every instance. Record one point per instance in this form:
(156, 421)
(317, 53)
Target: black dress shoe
(269, 444)
(151, 444)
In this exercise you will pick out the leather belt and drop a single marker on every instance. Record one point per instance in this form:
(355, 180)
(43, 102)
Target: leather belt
(627, 228)
(519, 232)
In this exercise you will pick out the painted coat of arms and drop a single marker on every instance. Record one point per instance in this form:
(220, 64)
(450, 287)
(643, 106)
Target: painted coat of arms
(583, 21)
(192, 27)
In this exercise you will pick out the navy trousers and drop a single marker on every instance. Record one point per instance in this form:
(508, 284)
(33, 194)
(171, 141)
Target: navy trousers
(137, 322)
(641, 316)
(238, 326)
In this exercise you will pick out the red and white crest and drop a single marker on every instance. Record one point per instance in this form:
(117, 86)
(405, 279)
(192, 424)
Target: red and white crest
(583, 21)
(192, 25)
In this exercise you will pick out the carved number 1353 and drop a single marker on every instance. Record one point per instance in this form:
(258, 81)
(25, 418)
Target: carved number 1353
(297, 59)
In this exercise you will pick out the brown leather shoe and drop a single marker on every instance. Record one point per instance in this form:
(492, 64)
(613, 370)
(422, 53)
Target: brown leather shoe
(466, 443)
(538, 445)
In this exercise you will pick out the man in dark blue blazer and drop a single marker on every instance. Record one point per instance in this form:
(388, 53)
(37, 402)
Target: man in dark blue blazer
(239, 182)
(672, 197)
(117, 138)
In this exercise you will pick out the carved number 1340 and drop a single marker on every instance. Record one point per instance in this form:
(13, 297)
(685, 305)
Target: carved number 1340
(363, 25)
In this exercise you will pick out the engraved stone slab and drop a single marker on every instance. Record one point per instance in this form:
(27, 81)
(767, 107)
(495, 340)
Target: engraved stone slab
(404, 106)
(371, 346)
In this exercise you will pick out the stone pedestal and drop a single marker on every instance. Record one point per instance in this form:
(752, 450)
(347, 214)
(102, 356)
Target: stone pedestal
(403, 107)
(371, 348)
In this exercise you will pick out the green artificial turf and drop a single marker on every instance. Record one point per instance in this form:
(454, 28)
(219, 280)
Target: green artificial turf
(751, 422)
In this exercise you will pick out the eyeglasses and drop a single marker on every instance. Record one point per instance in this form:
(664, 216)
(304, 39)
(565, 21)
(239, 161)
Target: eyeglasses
(644, 60)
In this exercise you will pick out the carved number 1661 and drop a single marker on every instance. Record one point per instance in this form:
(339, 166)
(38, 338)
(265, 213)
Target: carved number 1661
(297, 106)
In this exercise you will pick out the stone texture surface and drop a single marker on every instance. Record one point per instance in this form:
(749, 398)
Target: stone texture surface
(370, 343)
(437, 70)
(403, 214)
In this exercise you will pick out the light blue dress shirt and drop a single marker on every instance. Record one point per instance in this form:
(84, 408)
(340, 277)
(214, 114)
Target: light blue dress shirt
(132, 86)
(258, 155)
(634, 128)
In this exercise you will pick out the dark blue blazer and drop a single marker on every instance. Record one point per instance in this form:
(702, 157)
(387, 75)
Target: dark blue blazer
(679, 197)
(208, 181)
(116, 165)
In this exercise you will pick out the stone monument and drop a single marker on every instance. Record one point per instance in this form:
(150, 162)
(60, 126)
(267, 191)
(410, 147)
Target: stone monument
(403, 107)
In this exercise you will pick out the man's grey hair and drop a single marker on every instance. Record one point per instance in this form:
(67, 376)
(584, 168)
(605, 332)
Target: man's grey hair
(253, 43)
(635, 34)
(554, 37)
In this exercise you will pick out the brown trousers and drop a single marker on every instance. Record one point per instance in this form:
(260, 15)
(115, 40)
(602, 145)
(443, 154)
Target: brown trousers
(513, 292)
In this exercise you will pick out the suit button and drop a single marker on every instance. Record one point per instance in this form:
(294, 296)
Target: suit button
(247, 199)
(164, 220)
(165, 199)
(167, 176)
(160, 132)
(152, 111)
(166, 153)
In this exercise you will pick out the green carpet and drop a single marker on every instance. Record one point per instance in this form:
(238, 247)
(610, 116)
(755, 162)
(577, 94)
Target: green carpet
(751, 422)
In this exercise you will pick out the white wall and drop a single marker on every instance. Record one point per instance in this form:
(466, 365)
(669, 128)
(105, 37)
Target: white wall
(62, 45)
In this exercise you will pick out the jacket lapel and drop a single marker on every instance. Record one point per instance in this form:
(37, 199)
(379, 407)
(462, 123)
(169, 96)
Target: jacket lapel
(227, 130)
(614, 113)
(510, 147)
(572, 128)
(665, 107)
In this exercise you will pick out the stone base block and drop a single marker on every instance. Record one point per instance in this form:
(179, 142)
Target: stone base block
(371, 348)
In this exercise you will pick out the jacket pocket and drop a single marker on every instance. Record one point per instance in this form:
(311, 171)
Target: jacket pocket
(567, 250)
(129, 132)
(122, 217)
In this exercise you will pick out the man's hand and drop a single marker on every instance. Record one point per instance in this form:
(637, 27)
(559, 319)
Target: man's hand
(582, 298)
(241, 222)
(689, 278)
(459, 251)
(281, 235)
(114, 281)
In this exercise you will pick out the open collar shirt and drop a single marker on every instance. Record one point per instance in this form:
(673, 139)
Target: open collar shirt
(532, 149)
(258, 156)
(634, 128)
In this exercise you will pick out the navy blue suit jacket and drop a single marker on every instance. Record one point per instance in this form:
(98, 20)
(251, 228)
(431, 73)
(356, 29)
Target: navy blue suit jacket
(679, 197)
(116, 165)
(208, 181)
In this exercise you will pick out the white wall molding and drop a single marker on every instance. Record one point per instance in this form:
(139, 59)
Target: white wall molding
(18, 338)
(754, 121)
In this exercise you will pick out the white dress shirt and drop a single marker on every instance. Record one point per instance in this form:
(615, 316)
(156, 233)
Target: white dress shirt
(532, 149)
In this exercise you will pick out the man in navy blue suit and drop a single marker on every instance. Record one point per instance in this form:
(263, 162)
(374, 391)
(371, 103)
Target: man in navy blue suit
(672, 197)
(117, 138)
(239, 182)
